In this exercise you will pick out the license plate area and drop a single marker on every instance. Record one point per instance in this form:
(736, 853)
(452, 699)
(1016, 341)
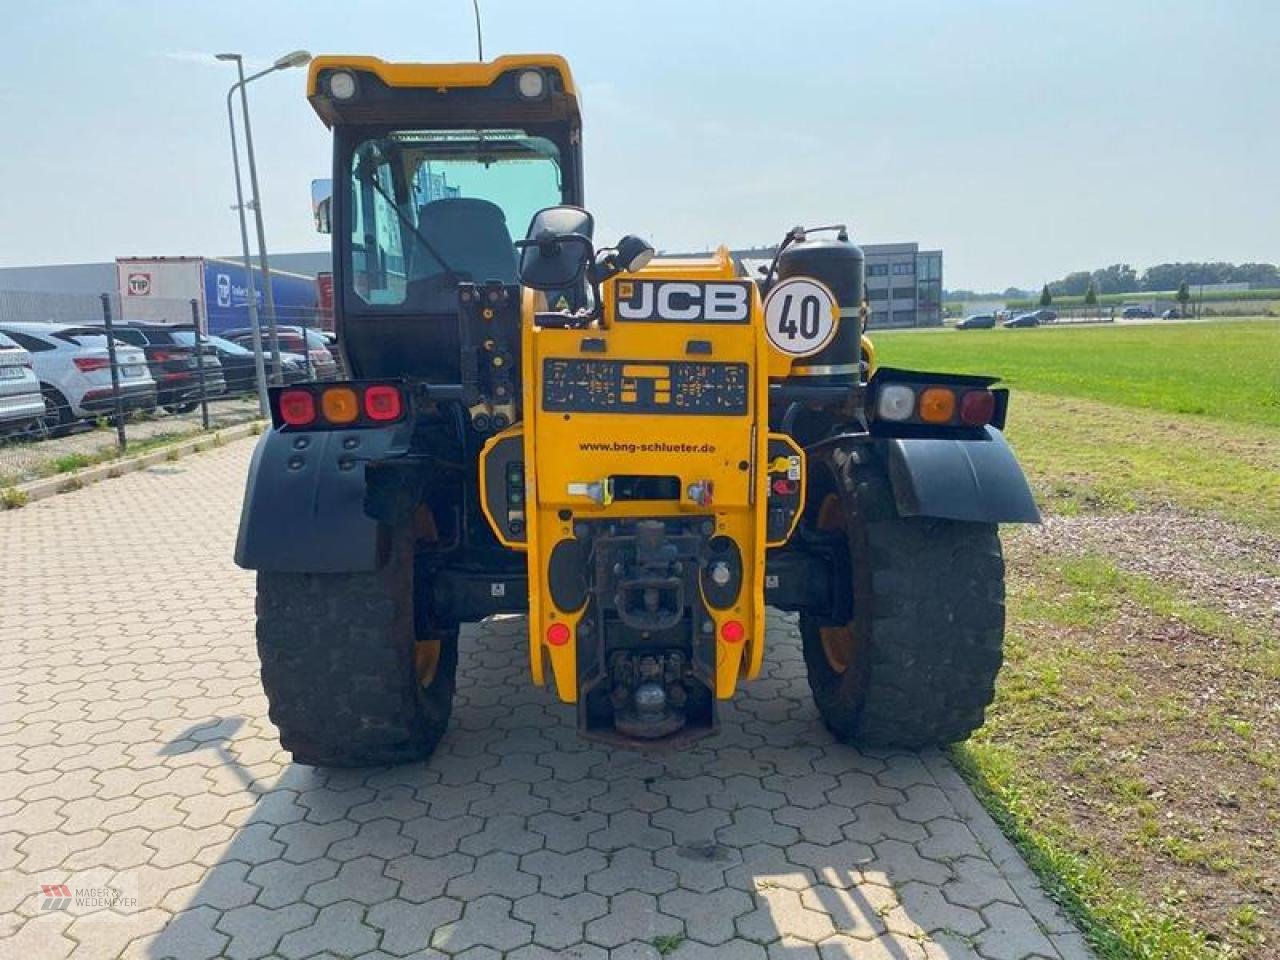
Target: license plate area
(644, 386)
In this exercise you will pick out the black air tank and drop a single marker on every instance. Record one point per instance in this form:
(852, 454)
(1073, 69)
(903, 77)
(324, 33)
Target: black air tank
(842, 267)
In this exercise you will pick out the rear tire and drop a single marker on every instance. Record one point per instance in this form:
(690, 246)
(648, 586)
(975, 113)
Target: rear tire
(917, 664)
(347, 682)
(57, 417)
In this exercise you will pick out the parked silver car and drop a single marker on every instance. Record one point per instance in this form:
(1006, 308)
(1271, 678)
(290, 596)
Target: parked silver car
(21, 404)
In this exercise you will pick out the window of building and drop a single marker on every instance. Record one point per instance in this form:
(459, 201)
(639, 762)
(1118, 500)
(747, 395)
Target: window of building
(877, 293)
(903, 269)
(904, 318)
(929, 268)
(877, 270)
(880, 316)
(904, 293)
(929, 294)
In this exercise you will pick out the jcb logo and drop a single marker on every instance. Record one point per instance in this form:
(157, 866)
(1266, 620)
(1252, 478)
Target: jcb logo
(681, 301)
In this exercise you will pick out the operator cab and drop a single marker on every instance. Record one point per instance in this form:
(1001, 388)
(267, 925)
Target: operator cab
(437, 169)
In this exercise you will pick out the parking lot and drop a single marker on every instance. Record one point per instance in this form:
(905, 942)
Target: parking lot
(149, 812)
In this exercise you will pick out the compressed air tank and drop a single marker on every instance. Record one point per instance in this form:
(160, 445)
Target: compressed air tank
(841, 266)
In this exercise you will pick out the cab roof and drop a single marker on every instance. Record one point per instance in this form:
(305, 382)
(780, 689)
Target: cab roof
(438, 77)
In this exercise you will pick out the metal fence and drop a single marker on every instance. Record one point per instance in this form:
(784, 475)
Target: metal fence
(86, 379)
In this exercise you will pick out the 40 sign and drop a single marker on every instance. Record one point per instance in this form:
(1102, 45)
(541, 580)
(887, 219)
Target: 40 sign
(800, 316)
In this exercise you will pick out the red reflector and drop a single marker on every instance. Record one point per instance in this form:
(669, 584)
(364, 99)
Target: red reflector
(297, 408)
(784, 487)
(89, 364)
(732, 632)
(977, 407)
(558, 634)
(382, 403)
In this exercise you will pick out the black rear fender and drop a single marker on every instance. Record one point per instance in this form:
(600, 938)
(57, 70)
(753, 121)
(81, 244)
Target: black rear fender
(979, 481)
(305, 501)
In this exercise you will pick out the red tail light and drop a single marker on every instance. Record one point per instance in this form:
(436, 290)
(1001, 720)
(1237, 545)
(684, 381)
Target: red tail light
(383, 403)
(977, 407)
(297, 408)
(89, 364)
(733, 632)
(165, 356)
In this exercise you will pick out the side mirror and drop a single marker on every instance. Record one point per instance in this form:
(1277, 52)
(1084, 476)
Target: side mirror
(557, 248)
(321, 202)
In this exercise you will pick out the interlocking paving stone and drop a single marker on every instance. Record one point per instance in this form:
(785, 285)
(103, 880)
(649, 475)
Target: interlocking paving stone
(255, 930)
(708, 917)
(408, 927)
(144, 760)
(558, 922)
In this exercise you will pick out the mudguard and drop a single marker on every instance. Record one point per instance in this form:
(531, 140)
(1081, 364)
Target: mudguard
(974, 480)
(304, 504)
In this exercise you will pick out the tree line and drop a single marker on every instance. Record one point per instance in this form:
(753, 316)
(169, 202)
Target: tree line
(1123, 278)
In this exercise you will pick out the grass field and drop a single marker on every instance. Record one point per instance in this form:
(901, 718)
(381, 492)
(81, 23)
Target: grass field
(1133, 752)
(1225, 370)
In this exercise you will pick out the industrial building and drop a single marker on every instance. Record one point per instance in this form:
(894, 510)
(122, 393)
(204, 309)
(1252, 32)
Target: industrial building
(904, 283)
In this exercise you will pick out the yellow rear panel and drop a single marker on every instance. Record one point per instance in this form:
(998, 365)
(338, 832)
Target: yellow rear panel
(575, 449)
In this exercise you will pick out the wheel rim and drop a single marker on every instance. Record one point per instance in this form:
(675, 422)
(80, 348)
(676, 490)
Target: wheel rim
(838, 643)
(52, 415)
(426, 661)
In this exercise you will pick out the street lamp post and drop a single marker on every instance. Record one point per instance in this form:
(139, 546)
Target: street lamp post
(251, 292)
(297, 58)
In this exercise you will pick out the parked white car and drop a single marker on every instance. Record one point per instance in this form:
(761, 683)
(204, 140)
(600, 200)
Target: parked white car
(74, 367)
(21, 404)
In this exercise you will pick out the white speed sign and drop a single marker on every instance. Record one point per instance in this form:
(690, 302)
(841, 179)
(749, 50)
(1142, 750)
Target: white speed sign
(800, 316)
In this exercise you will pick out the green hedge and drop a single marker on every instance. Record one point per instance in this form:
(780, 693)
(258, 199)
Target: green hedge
(1140, 296)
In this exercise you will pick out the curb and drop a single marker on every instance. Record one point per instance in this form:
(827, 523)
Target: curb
(1048, 915)
(67, 482)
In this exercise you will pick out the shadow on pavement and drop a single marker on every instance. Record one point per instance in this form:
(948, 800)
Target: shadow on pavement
(764, 839)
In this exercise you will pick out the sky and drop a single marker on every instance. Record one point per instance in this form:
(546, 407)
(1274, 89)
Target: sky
(1026, 139)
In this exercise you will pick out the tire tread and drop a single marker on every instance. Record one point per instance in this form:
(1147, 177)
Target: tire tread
(933, 641)
(336, 652)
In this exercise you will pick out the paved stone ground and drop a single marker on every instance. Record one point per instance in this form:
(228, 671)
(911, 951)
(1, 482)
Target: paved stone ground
(135, 755)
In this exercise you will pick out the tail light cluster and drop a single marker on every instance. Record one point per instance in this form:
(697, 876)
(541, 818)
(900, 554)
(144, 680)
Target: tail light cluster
(338, 405)
(934, 405)
(90, 364)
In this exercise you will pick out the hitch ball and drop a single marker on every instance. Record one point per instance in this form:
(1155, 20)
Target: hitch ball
(650, 699)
